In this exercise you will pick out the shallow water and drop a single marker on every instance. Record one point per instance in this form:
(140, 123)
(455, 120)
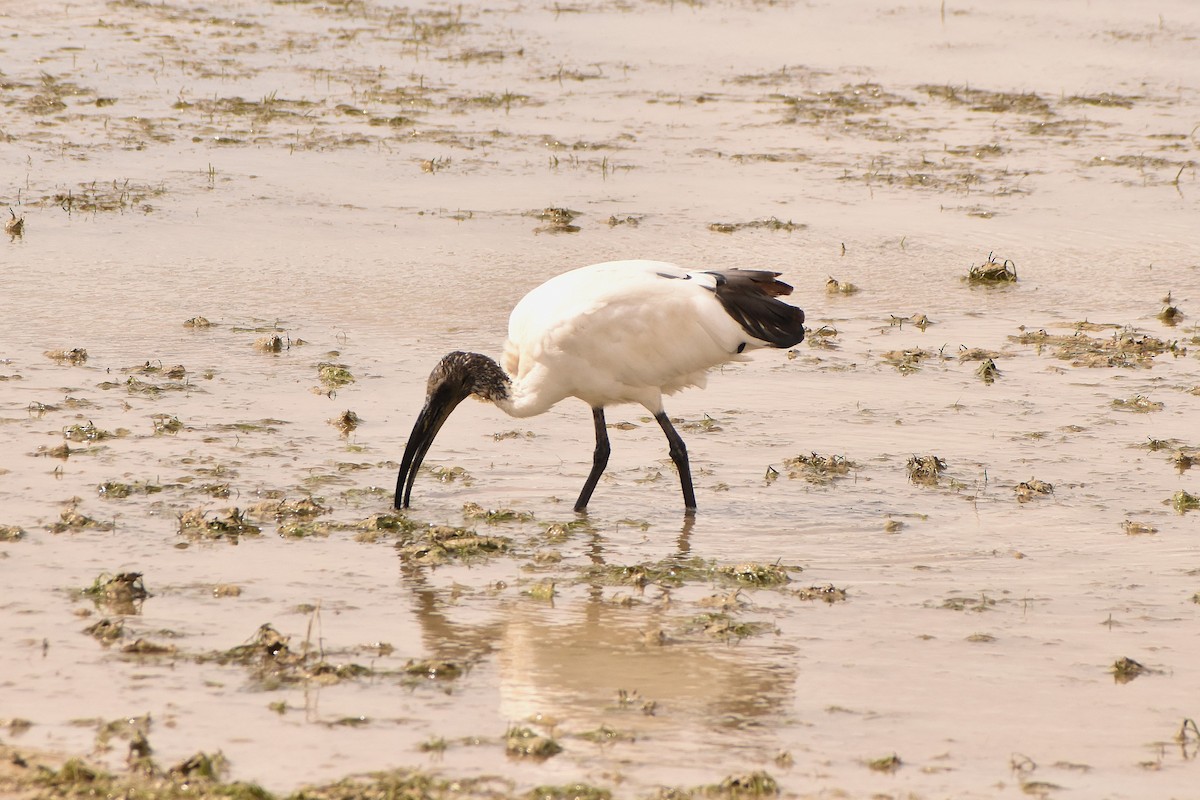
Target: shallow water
(905, 143)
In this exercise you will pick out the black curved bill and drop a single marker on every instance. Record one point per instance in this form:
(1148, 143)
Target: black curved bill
(437, 409)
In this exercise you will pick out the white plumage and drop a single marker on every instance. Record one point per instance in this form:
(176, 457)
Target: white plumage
(611, 333)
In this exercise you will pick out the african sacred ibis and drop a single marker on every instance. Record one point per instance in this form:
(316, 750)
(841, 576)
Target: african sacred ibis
(617, 332)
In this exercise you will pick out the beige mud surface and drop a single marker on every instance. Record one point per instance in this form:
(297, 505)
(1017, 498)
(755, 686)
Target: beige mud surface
(348, 190)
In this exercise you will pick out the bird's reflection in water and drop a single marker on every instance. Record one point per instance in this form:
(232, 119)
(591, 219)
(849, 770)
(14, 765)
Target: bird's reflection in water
(592, 653)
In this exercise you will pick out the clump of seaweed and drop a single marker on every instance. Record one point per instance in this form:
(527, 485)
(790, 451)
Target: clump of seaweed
(993, 272)
(720, 625)
(122, 593)
(15, 227)
(752, 784)
(1138, 403)
(908, 361)
(73, 521)
(271, 660)
(819, 469)
(755, 574)
(834, 286)
(573, 791)
(769, 223)
(987, 100)
(11, 533)
(273, 344)
(86, 432)
(885, 763)
(1170, 315)
(526, 743)
(195, 525)
(1028, 490)
(829, 593)
(1184, 501)
(557, 220)
(377, 526)
(493, 516)
(434, 669)
(925, 470)
(1125, 348)
(988, 371)
(166, 424)
(439, 544)
(334, 376)
(75, 356)
(1125, 670)
(107, 630)
(346, 422)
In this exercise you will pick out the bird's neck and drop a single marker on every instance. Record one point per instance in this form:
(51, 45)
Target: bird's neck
(482, 377)
(522, 399)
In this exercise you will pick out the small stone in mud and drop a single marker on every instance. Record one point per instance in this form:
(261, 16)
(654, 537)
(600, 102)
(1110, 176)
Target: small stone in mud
(1138, 528)
(226, 590)
(198, 323)
(893, 526)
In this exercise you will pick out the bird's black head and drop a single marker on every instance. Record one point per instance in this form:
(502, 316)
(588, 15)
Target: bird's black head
(460, 374)
(456, 377)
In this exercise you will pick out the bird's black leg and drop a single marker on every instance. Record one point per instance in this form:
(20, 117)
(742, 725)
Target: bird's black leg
(599, 460)
(679, 455)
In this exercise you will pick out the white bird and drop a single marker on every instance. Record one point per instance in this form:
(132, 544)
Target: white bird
(617, 332)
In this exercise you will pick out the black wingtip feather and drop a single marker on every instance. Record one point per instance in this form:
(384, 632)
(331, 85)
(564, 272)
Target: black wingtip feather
(749, 297)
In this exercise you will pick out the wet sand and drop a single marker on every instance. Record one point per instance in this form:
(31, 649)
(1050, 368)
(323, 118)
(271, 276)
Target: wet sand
(368, 183)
